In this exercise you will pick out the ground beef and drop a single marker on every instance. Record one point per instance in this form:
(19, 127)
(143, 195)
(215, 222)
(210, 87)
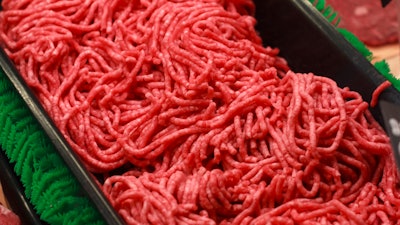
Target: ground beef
(188, 119)
(368, 20)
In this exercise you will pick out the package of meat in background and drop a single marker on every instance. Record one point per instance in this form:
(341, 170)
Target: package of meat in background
(372, 23)
(7, 217)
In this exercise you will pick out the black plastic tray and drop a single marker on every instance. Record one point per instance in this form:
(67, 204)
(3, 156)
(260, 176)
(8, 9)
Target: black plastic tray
(307, 41)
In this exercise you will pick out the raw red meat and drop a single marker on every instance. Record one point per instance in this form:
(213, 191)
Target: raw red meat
(7, 217)
(192, 121)
(368, 20)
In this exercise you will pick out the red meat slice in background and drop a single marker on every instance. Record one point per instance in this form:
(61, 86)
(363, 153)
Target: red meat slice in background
(368, 20)
(7, 217)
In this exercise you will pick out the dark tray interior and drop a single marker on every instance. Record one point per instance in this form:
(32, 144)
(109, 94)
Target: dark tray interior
(307, 41)
(310, 44)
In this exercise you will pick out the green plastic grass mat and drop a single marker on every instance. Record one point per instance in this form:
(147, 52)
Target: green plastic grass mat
(50, 186)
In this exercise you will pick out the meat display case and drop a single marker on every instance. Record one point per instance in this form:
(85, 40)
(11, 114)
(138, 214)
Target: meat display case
(307, 41)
